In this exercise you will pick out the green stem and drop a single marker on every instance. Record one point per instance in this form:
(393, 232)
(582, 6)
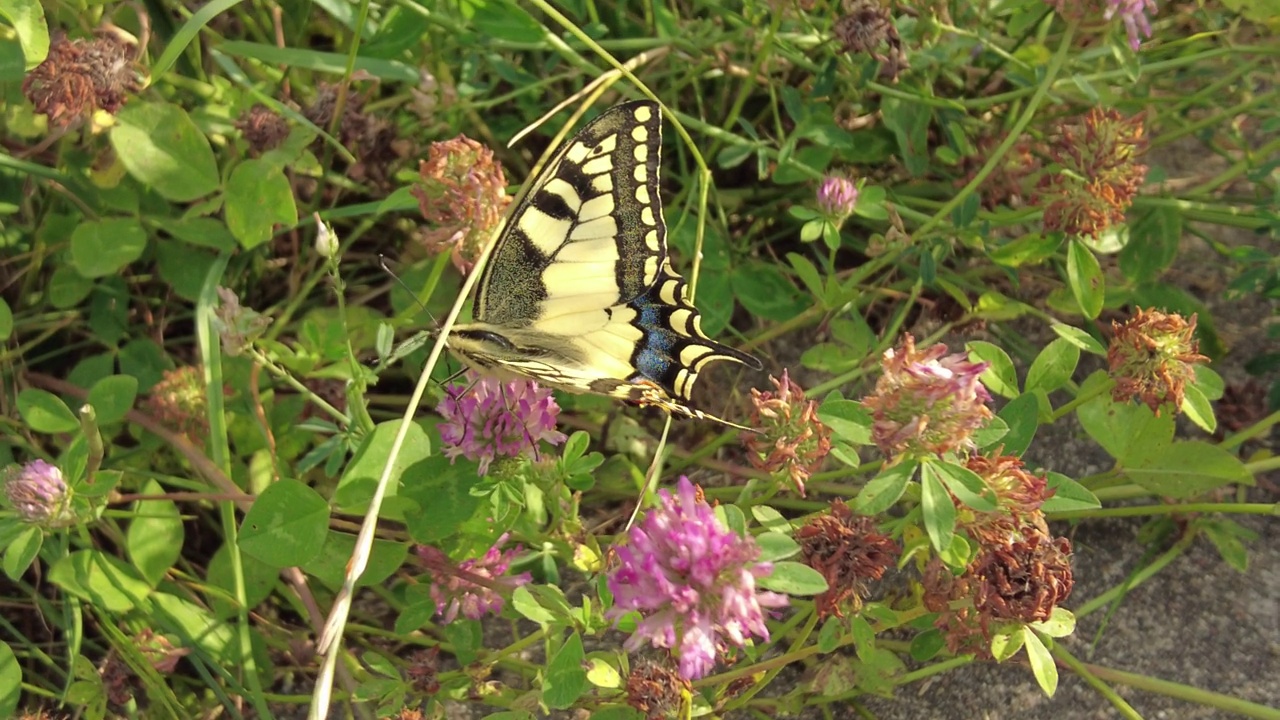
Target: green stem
(1137, 578)
(1141, 510)
(1184, 692)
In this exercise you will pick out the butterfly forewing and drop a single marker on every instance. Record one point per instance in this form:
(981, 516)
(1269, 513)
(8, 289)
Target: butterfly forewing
(589, 232)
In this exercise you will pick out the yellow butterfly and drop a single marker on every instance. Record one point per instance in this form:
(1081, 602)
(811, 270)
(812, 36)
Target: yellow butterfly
(579, 292)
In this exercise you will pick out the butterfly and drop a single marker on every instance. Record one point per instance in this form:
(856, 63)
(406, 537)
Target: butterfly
(579, 292)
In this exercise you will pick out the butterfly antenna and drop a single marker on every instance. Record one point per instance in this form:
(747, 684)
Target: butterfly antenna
(384, 263)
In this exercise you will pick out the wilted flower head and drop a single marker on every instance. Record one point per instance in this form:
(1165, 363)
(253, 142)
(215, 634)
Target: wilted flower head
(1152, 356)
(1132, 12)
(471, 587)
(1018, 497)
(864, 27)
(926, 401)
(849, 550)
(39, 494)
(1024, 580)
(370, 137)
(487, 418)
(80, 76)
(463, 193)
(837, 196)
(159, 651)
(1099, 174)
(951, 596)
(237, 326)
(262, 128)
(179, 403)
(1134, 15)
(655, 689)
(791, 436)
(423, 670)
(693, 580)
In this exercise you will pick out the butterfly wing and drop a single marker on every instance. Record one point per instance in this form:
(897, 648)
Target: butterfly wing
(580, 292)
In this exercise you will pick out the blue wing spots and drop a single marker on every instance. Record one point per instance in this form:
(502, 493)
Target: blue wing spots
(653, 355)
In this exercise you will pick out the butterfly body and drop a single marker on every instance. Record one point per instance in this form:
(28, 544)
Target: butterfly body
(579, 292)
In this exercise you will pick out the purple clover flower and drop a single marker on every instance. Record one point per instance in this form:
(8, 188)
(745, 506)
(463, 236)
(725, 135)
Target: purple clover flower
(837, 196)
(693, 580)
(496, 419)
(1134, 15)
(471, 587)
(38, 493)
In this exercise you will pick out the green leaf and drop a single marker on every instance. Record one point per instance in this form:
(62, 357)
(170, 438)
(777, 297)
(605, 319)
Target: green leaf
(196, 625)
(926, 645)
(939, 512)
(22, 550)
(565, 680)
(442, 494)
(1226, 537)
(1054, 366)
(1209, 383)
(1021, 415)
(1061, 623)
(1079, 338)
(884, 489)
(776, 546)
(764, 290)
(286, 526)
(1153, 245)
(162, 149)
(104, 247)
(330, 565)
(793, 578)
(183, 267)
(45, 412)
(1068, 495)
(259, 580)
(1183, 469)
(101, 580)
(67, 287)
(10, 677)
(1031, 249)
(601, 673)
(1198, 409)
(965, 484)
(1123, 428)
(258, 197)
(808, 274)
(29, 24)
(1042, 665)
(112, 397)
(909, 122)
(524, 602)
(154, 538)
(1084, 275)
(848, 420)
(359, 480)
(1000, 378)
(199, 231)
(6, 320)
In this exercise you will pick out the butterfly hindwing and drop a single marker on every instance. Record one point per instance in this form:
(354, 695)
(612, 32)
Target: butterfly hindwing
(579, 292)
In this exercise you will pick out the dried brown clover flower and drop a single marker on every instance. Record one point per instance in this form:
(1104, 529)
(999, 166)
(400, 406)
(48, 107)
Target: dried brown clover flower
(371, 138)
(1024, 580)
(179, 403)
(864, 27)
(262, 128)
(791, 437)
(80, 76)
(848, 550)
(1098, 174)
(655, 689)
(1018, 496)
(926, 402)
(463, 192)
(1152, 356)
(949, 595)
(423, 671)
